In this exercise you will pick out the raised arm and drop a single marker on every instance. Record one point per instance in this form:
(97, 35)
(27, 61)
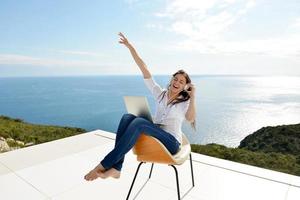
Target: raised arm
(191, 111)
(137, 59)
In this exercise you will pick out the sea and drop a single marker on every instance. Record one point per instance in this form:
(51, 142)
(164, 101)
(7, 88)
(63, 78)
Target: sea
(229, 107)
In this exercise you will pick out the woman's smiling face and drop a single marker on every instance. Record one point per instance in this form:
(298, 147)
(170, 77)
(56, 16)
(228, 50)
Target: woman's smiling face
(177, 84)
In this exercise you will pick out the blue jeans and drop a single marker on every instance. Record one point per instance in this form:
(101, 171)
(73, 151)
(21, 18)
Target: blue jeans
(129, 130)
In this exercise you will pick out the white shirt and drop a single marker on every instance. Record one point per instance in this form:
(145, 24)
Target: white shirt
(171, 116)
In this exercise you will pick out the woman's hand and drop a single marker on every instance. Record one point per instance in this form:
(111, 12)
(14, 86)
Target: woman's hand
(137, 59)
(191, 90)
(123, 40)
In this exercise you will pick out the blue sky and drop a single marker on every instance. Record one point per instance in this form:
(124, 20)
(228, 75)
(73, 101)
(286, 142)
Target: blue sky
(76, 37)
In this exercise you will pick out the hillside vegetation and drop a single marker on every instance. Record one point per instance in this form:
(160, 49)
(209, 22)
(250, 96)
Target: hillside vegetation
(282, 139)
(16, 133)
(286, 163)
(276, 148)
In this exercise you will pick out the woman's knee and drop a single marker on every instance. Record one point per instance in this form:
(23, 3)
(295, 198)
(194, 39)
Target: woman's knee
(128, 116)
(139, 122)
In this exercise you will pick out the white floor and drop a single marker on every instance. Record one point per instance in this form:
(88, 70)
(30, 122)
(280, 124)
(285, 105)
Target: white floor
(55, 170)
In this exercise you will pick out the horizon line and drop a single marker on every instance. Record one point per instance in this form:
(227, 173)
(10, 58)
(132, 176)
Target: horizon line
(96, 75)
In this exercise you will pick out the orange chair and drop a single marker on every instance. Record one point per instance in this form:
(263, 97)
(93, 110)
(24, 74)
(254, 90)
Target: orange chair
(150, 149)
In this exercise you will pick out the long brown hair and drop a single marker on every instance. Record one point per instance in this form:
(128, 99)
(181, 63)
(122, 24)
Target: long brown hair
(182, 96)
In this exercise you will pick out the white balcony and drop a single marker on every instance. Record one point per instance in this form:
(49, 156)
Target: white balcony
(55, 170)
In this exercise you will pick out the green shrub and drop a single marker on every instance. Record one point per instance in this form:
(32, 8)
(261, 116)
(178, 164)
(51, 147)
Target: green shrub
(286, 163)
(28, 133)
(280, 139)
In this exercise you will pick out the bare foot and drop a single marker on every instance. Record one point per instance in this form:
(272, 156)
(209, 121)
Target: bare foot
(92, 175)
(95, 173)
(112, 172)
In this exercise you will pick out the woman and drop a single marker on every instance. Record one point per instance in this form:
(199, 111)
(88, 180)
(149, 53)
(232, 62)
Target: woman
(173, 106)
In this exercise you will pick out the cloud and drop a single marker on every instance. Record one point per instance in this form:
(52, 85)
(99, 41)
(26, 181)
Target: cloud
(296, 23)
(22, 65)
(198, 19)
(188, 6)
(81, 53)
(204, 25)
(230, 1)
(250, 4)
(15, 59)
(279, 47)
(131, 1)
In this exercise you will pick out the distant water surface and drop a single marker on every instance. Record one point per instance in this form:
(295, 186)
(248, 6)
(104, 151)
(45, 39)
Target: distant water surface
(228, 107)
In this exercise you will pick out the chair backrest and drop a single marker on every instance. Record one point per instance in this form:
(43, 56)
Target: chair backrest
(150, 149)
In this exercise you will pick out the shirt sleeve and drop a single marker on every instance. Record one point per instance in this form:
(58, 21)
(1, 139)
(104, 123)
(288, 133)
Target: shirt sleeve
(154, 88)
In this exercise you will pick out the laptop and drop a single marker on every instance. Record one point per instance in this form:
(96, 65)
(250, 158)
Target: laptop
(138, 105)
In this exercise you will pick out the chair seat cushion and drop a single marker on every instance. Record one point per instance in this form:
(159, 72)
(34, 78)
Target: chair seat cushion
(182, 154)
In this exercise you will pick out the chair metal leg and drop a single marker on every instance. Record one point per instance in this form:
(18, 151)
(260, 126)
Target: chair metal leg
(151, 170)
(176, 173)
(192, 171)
(137, 170)
(177, 181)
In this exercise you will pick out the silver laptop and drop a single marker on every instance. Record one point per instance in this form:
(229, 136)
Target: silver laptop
(138, 105)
